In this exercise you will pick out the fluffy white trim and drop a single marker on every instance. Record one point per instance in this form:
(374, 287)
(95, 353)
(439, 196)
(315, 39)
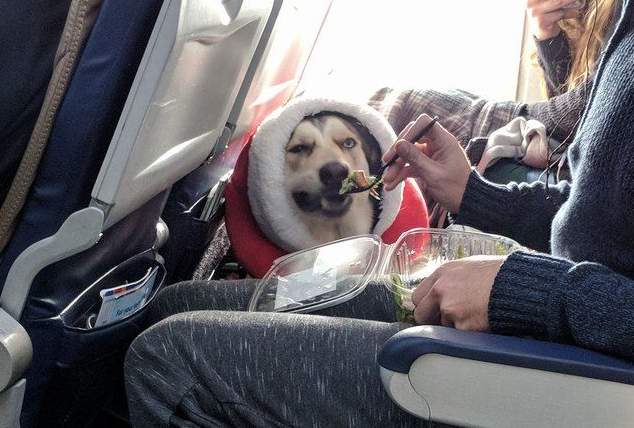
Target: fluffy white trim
(274, 213)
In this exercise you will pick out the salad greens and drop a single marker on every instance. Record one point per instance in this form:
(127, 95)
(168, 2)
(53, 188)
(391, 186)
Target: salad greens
(403, 299)
(357, 179)
(403, 295)
(500, 250)
(460, 253)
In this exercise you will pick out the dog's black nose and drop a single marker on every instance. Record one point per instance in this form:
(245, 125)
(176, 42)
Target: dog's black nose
(332, 174)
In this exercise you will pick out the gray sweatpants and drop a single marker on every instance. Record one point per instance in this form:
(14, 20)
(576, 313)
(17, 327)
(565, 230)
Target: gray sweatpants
(203, 366)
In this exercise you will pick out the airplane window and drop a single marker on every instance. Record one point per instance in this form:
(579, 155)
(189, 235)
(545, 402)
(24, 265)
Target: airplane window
(472, 45)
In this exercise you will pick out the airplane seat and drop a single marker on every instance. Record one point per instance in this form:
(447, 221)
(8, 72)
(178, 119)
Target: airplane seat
(29, 42)
(471, 379)
(194, 210)
(146, 104)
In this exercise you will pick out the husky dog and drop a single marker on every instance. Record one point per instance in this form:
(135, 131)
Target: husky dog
(321, 153)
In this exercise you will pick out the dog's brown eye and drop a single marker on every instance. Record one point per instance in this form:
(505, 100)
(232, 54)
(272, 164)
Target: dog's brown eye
(298, 148)
(349, 143)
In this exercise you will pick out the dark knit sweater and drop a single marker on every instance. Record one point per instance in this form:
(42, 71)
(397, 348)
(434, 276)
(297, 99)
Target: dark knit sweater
(553, 56)
(584, 292)
(561, 112)
(564, 107)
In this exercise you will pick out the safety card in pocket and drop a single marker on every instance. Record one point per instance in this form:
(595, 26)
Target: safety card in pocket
(120, 302)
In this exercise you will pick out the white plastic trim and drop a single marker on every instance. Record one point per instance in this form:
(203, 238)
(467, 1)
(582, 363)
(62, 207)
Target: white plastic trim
(401, 391)
(188, 80)
(80, 231)
(11, 405)
(479, 394)
(16, 350)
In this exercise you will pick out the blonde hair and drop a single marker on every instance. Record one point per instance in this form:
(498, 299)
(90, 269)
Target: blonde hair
(586, 35)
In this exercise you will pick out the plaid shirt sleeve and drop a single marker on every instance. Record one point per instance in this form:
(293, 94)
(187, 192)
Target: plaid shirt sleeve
(463, 114)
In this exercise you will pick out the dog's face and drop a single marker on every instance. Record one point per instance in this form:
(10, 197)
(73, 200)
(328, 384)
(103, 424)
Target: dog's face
(321, 153)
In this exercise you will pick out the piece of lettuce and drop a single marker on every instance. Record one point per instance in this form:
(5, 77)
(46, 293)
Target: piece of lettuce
(357, 179)
(460, 253)
(403, 314)
(349, 183)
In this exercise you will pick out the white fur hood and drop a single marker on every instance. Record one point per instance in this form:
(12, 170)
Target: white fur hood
(275, 214)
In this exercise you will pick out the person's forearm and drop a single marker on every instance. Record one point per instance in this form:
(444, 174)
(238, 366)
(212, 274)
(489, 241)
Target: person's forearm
(554, 299)
(523, 212)
(463, 114)
(560, 114)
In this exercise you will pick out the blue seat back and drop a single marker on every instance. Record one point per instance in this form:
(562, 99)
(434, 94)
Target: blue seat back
(81, 135)
(29, 42)
(153, 88)
(79, 140)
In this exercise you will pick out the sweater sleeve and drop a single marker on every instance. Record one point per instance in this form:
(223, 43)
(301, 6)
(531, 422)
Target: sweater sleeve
(560, 114)
(523, 212)
(463, 114)
(553, 299)
(554, 58)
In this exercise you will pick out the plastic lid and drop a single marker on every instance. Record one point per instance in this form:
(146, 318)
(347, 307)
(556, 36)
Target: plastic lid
(325, 276)
(319, 277)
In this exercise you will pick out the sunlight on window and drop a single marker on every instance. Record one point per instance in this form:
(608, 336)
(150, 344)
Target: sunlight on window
(467, 44)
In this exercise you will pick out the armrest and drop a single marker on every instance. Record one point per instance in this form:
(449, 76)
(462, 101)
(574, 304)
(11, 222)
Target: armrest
(485, 380)
(15, 350)
(402, 349)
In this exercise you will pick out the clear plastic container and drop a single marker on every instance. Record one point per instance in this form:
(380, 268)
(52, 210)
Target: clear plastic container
(331, 274)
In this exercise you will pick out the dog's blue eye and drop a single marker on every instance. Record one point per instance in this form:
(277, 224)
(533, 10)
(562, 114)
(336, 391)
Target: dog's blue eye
(349, 143)
(298, 149)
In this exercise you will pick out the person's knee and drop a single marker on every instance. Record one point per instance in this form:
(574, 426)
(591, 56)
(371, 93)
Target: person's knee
(191, 296)
(175, 341)
(159, 367)
(154, 379)
(140, 359)
(155, 348)
(168, 301)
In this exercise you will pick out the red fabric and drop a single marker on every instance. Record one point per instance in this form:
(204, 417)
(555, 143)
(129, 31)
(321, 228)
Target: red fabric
(413, 213)
(256, 252)
(250, 246)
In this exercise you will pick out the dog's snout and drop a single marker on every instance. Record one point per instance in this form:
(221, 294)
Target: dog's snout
(333, 173)
(306, 202)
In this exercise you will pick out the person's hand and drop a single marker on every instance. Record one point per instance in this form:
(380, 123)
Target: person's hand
(438, 160)
(457, 293)
(545, 14)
